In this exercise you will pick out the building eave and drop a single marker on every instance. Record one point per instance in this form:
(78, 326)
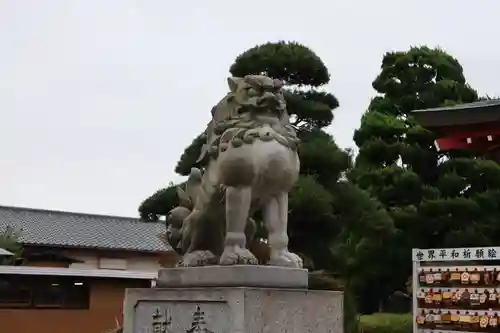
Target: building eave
(482, 112)
(93, 273)
(95, 248)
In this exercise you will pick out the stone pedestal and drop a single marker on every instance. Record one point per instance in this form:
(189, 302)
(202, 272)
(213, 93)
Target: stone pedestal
(190, 301)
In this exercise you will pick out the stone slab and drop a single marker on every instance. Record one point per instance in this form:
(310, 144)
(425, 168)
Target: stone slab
(232, 310)
(233, 276)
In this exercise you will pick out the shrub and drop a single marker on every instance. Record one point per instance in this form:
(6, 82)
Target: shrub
(9, 240)
(386, 323)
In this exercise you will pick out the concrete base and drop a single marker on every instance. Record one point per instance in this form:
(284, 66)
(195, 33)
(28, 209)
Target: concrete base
(232, 310)
(233, 276)
(235, 307)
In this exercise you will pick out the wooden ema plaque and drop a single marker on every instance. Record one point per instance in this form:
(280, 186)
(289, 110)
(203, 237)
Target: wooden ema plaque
(456, 290)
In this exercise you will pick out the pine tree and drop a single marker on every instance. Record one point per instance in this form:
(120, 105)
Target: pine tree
(436, 199)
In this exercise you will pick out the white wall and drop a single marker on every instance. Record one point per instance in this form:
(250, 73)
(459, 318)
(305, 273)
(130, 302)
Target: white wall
(143, 264)
(132, 263)
(89, 262)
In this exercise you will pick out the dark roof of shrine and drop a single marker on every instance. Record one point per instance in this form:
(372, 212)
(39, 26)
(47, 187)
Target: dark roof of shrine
(461, 114)
(68, 229)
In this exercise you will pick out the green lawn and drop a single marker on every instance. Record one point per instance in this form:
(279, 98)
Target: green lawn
(386, 323)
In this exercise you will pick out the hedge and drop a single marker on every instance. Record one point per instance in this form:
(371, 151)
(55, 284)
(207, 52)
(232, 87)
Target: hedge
(386, 323)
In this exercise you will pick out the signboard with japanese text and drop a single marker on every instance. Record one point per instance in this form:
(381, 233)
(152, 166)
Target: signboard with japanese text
(457, 254)
(456, 290)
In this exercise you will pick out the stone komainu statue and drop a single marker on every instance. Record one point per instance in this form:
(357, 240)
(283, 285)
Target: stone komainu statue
(251, 150)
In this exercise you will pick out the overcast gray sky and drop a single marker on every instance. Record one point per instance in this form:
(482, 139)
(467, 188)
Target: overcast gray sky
(98, 98)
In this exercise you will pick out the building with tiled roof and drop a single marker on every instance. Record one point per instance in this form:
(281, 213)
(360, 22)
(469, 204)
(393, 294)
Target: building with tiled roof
(75, 267)
(38, 227)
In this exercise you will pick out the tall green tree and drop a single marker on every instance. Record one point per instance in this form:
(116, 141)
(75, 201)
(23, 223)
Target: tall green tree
(320, 216)
(436, 199)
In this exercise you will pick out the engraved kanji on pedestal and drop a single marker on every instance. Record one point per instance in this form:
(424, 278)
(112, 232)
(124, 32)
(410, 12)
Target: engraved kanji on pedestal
(161, 323)
(198, 324)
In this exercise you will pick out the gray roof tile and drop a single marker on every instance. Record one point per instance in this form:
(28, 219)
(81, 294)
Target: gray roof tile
(65, 229)
(473, 105)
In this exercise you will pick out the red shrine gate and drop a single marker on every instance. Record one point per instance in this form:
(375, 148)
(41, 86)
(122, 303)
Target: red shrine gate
(474, 126)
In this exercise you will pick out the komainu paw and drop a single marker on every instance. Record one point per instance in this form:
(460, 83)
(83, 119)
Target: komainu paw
(198, 258)
(235, 255)
(285, 258)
